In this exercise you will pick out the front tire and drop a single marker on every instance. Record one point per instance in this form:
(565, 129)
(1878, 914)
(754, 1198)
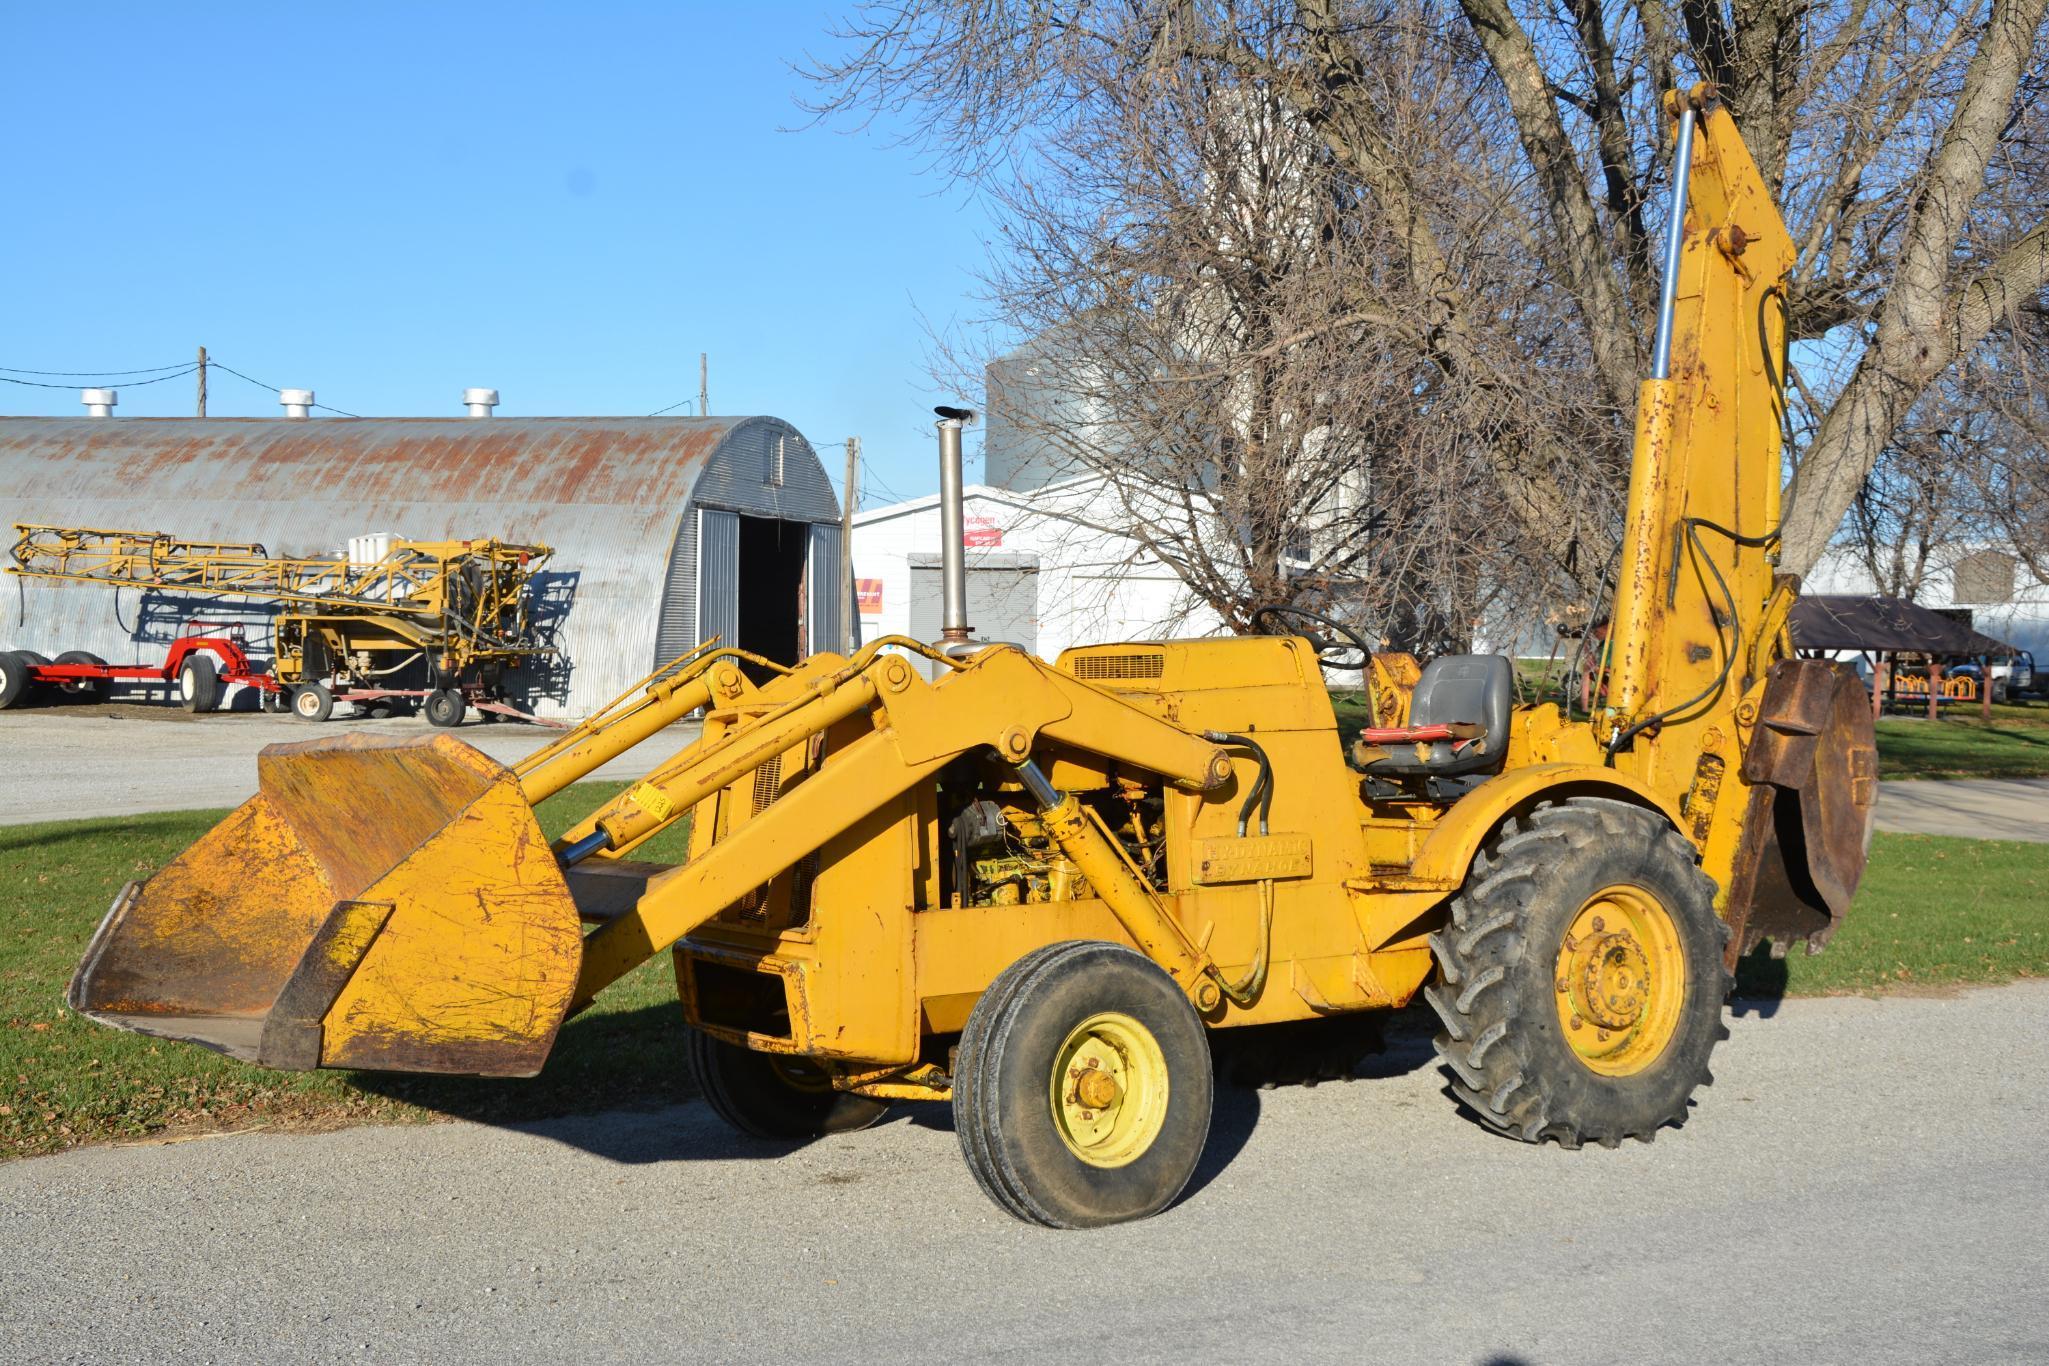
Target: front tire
(774, 1096)
(199, 684)
(1582, 976)
(445, 708)
(312, 702)
(15, 680)
(1082, 1087)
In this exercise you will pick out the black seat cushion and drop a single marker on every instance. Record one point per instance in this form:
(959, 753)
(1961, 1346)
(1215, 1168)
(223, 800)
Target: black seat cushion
(1470, 689)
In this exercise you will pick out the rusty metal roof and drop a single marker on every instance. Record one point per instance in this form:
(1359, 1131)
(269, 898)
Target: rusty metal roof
(607, 493)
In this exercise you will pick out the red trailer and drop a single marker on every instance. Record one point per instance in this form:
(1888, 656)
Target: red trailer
(196, 669)
(212, 655)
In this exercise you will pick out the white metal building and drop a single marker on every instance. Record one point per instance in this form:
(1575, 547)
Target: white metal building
(1047, 568)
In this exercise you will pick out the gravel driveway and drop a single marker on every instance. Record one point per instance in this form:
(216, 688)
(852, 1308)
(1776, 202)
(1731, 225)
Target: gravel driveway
(1867, 1182)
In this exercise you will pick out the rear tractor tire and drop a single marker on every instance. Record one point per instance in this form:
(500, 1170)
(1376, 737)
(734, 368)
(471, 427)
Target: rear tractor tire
(1082, 1087)
(1582, 972)
(312, 702)
(84, 689)
(773, 1096)
(199, 683)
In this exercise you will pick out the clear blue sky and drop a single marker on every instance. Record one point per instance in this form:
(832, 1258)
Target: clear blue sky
(389, 203)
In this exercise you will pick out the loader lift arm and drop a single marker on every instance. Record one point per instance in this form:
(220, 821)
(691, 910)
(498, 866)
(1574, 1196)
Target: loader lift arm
(378, 922)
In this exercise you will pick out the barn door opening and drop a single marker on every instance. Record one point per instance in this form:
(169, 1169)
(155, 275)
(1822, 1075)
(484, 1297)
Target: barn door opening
(771, 606)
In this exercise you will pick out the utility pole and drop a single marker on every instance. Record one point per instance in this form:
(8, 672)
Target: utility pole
(202, 381)
(703, 385)
(847, 506)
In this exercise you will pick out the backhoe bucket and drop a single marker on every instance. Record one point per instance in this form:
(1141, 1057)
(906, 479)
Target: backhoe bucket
(1813, 766)
(387, 904)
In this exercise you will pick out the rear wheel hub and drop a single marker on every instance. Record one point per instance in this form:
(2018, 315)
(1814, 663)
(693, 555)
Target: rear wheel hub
(1621, 979)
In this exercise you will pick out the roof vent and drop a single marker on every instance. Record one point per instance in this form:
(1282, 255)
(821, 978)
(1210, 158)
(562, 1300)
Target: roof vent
(298, 402)
(480, 402)
(99, 402)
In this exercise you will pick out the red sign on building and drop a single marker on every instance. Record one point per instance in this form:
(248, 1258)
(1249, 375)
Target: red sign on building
(868, 596)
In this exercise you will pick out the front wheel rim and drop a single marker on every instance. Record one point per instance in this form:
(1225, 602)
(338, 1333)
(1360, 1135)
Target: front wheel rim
(1109, 1089)
(1620, 981)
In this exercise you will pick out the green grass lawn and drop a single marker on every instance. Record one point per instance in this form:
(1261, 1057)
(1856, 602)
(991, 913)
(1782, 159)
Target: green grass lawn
(2015, 744)
(64, 1080)
(1931, 912)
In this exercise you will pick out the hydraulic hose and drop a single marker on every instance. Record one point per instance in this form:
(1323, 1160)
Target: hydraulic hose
(1262, 793)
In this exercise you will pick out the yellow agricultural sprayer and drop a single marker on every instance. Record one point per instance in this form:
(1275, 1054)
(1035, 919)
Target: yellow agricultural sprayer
(1033, 888)
(366, 627)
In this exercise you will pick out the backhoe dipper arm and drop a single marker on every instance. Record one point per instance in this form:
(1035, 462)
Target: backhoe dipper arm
(1700, 535)
(1004, 700)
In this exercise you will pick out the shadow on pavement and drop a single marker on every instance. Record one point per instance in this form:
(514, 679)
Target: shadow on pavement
(613, 1086)
(1760, 984)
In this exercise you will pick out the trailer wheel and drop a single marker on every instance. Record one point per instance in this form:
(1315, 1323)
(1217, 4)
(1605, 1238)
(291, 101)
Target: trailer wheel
(1082, 1087)
(312, 702)
(14, 679)
(444, 708)
(83, 689)
(772, 1096)
(1582, 976)
(199, 683)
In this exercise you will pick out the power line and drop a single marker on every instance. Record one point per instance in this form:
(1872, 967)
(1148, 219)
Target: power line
(92, 374)
(127, 384)
(215, 363)
(179, 371)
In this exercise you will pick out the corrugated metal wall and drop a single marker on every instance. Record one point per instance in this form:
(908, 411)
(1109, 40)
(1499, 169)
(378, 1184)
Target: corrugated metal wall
(616, 497)
(718, 575)
(826, 613)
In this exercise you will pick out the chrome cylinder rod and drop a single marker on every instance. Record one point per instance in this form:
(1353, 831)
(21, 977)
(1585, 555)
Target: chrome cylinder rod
(1675, 243)
(953, 624)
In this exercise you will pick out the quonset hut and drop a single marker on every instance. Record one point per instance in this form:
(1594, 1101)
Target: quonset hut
(667, 531)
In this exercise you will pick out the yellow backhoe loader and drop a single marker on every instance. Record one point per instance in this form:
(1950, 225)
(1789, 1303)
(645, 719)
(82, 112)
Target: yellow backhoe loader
(1033, 888)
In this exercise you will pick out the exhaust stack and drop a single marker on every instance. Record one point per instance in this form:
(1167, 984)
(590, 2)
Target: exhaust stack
(298, 403)
(480, 402)
(953, 631)
(99, 402)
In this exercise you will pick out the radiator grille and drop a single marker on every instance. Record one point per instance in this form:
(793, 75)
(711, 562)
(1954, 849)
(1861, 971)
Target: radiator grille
(753, 907)
(1100, 667)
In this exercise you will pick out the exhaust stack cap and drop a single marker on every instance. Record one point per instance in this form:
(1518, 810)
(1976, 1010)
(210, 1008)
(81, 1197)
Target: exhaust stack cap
(99, 402)
(480, 402)
(298, 402)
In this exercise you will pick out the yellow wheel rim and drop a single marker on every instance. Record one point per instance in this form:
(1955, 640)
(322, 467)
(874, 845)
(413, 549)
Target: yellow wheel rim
(1109, 1090)
(1620, 981)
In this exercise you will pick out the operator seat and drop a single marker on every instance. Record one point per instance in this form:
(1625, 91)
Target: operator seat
(1458, 723)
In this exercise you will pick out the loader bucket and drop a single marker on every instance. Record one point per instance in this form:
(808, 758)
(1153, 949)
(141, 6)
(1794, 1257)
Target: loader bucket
(387, 904)
(1813, 769)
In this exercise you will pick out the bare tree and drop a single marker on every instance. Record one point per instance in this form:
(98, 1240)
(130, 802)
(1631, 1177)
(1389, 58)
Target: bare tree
(1487, 175)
